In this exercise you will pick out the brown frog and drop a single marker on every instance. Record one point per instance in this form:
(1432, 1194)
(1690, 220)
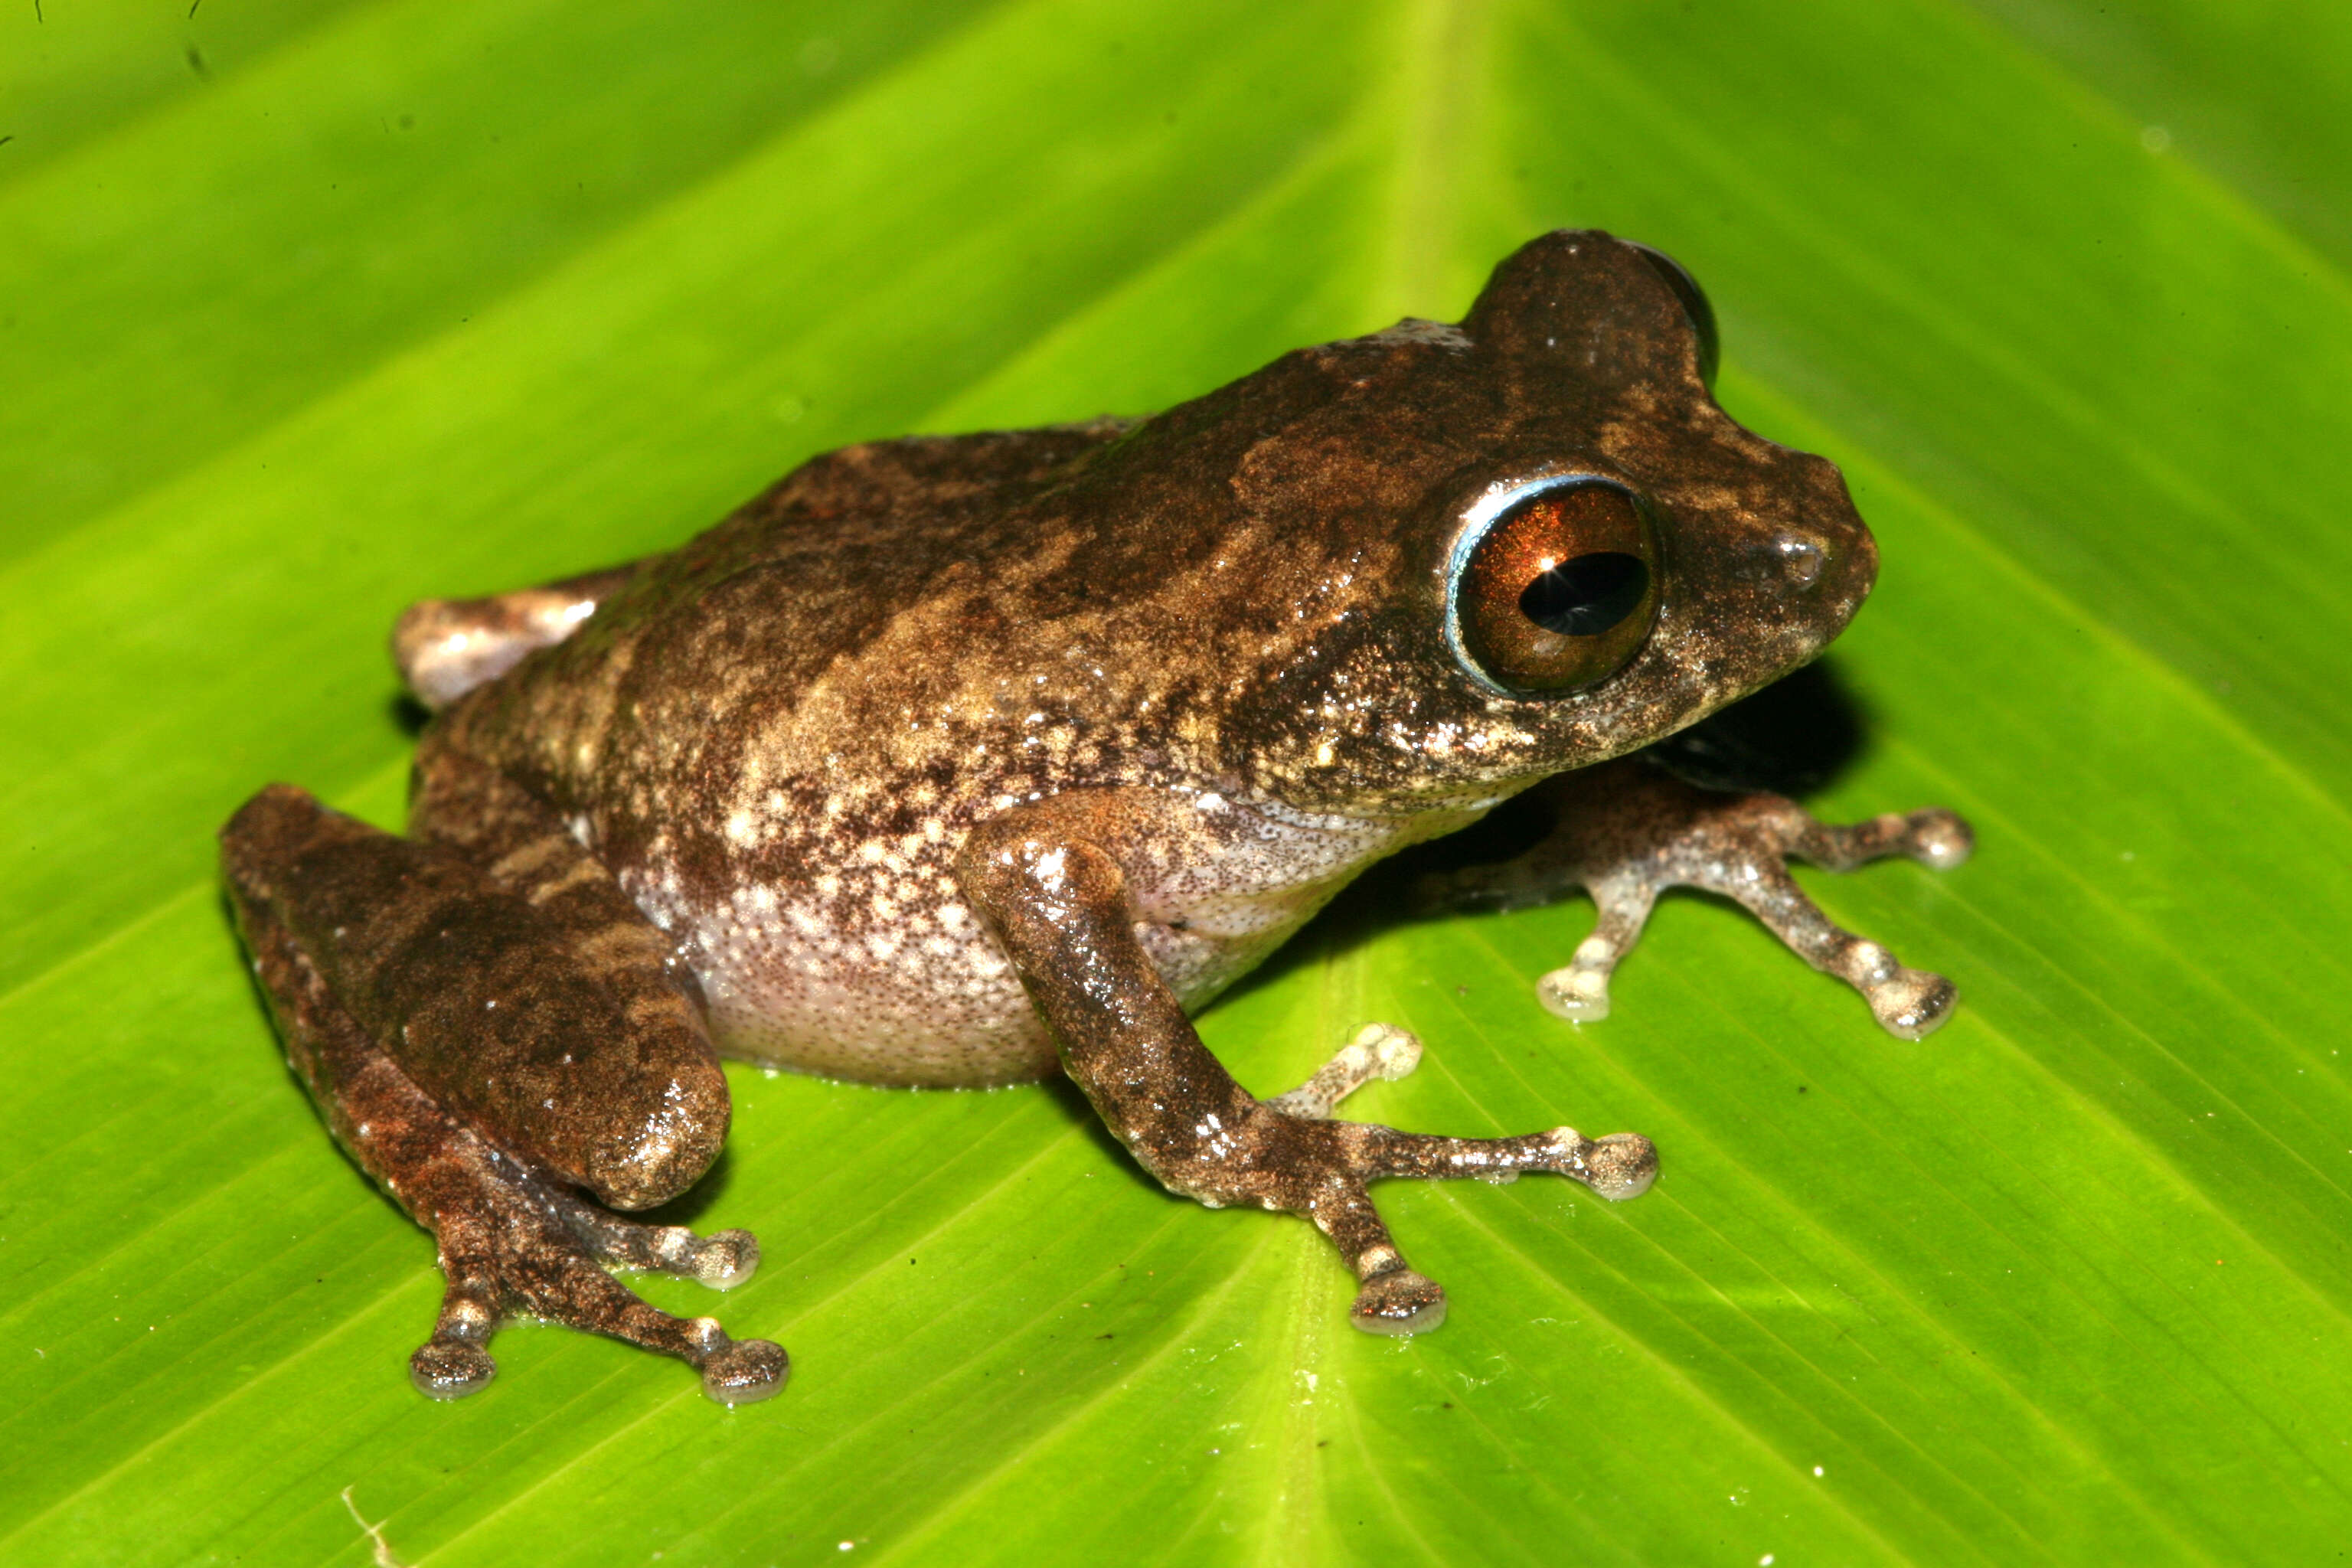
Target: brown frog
(964, 761)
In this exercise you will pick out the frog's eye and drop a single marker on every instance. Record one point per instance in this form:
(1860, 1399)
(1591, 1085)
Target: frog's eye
(1557, 592)
(1694, 306)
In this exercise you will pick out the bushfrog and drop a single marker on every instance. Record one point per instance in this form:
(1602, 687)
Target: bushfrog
(967, 761)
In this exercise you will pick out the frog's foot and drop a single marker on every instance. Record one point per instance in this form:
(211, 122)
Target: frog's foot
(1322, 1169)
(1739, 849)
(1395, 1300)
(512, 1243)
(446, 647)
(1627, 831)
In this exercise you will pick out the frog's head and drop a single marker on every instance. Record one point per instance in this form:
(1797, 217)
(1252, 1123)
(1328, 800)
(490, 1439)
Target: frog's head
(1521, 545)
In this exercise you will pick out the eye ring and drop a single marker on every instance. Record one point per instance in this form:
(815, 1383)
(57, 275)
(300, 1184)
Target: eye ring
(1551, 585)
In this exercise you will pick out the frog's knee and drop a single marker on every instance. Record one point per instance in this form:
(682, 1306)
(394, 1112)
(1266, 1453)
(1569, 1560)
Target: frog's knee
(650, 1148)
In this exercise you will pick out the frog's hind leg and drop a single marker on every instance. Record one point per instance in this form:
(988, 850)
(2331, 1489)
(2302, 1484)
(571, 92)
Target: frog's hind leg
(483, 1053)
(1628, 830)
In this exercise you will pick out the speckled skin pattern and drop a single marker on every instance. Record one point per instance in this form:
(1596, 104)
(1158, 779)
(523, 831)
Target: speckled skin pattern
(963, 761)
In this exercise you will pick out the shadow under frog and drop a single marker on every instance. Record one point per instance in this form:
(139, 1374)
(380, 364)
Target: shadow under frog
(976, 760)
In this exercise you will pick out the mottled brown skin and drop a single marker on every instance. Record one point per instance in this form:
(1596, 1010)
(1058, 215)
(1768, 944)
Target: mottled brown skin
(957, 761)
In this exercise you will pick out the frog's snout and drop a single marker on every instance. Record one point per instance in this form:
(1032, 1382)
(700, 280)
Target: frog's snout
(1821, 570)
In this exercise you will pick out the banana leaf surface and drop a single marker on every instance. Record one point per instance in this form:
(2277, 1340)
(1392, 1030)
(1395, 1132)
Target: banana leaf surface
(308, 311)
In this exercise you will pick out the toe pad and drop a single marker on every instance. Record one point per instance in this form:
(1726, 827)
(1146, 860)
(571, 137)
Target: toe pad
(1397, 1303)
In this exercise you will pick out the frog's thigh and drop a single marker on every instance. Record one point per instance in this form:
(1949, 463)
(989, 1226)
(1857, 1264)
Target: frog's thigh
(446, 647)
(1058, 903)
(504, 972)
(382, 960)
(1627, 830)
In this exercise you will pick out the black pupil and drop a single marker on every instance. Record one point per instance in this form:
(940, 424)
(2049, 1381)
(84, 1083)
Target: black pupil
(1586, 596)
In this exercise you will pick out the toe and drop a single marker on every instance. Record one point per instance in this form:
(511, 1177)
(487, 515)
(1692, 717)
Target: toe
(1621, 1165)
(1400, 1302)
(1940, 839)
(1574, 992)
(450, 1369)
(745, 1371)
(1914, 1004)
(726, 1259)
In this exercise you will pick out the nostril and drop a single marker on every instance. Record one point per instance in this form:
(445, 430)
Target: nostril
(1803, 558)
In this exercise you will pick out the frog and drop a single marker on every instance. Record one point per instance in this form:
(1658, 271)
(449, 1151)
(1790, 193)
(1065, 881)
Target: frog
(960, 762)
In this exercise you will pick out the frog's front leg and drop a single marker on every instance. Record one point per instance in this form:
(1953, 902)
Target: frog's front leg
(1058, 903)
(489, 1027)
(1627, 830)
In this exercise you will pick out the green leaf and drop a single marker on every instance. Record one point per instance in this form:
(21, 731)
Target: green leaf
(308, 311)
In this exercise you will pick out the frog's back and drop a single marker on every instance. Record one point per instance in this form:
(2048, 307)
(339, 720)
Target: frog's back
(815, 566)
(687, 652)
